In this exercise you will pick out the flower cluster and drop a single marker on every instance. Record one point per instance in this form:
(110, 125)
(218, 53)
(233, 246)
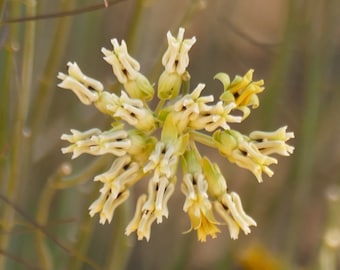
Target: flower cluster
(152, 144)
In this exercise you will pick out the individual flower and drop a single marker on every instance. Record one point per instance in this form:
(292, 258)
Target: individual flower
(86, 88)
(126, 70)
(253, 152)
(193, 111)
(122, 174)
(175, 61)
(227, 205)
(197, 203)
(96, 142)
(152, 145)
(242, 91)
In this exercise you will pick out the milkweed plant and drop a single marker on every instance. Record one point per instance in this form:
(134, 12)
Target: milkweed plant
(152, 144)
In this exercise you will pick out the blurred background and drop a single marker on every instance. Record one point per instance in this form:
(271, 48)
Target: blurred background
(293, 45)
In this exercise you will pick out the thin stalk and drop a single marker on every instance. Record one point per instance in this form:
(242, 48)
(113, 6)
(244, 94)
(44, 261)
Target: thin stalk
(282, 65)
(202, 138)
(44, 204)
(160, 106)
(330, 246)
(61, 180)
(45, 93)
(133, 27)
(85, 233)
(43, 229)
(81, 177)
(121, 245)
(305, 156)
(16, 162)
(281, 70)
(186, 87)
(6, 71)
(3, 4)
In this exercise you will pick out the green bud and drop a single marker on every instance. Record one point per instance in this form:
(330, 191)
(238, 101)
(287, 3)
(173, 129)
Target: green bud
(225, 141)
(217, 185)
(169, 85)
(190, 162)
(140, 88)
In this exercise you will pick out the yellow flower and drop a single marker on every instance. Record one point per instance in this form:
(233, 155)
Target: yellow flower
(257, 257)
(228, 206)
(198, 206)
(242, 90)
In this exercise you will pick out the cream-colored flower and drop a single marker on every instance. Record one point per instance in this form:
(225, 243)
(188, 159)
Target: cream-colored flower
(83, 86)
(176, 57)
(123, 173)
(96, 142)
(229, 208)
(249, 154)
(126, 69)
(152, 207)
(213, 117)
(175, 61)
(124, 66)
(273, 142)
(134, 112)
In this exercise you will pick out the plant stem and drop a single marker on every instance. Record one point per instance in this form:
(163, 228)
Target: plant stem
(3, 4)
(202, 138)
(45, 93)
(121, 245)
(61, 180)
(133, 27)
(16, 160)
(305, 156)
(42, 217)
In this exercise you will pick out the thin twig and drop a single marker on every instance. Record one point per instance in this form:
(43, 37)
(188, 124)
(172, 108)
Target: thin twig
(47, 233)
(62, 14)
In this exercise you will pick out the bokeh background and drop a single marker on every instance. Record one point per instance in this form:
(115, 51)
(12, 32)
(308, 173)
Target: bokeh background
(293, 45)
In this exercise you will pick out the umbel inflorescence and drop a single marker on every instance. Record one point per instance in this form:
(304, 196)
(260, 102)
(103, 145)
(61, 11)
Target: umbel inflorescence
(183, 118)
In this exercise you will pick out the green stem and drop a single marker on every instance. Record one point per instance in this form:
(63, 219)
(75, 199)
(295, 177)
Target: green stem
(87, 173)
(83, 239)
(42, 217)
(3, 4)
(121, 245)
(133, 27)
(5, 71)
(159, 106)
(61, 180)
(186, 87)
(305, 156)
(45, 93)
(202, 138)
(16, 160)
(282, 65)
